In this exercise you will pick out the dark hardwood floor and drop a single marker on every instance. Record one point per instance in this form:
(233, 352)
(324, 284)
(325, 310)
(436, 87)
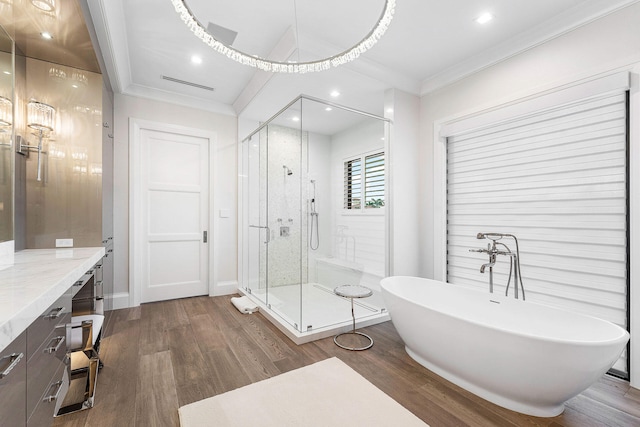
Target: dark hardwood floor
(161, 356)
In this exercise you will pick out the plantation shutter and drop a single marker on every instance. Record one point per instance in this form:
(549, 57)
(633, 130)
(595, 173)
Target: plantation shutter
(557, 179)
(374, 178)
(352, 184)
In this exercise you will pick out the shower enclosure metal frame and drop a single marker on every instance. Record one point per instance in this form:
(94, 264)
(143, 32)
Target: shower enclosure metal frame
(259, 225)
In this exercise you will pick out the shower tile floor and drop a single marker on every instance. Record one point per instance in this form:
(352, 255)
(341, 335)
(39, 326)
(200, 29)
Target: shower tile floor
(321, 308)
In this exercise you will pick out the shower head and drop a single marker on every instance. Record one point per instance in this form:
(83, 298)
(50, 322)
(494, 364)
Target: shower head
(287, 170)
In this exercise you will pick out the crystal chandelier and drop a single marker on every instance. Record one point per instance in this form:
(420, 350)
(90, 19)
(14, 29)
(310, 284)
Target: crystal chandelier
(287, 67)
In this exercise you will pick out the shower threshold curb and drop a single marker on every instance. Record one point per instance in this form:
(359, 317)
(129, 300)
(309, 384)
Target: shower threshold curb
(316, 334)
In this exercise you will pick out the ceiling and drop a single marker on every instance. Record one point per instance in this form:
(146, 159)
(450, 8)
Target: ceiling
(71, 44)
(429, 44)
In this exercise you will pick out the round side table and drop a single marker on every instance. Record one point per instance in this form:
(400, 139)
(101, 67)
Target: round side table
(351, 292)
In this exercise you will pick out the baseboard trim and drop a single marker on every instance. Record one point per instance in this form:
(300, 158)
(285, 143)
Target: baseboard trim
(224, 288)
(122, 300)
(119, 300)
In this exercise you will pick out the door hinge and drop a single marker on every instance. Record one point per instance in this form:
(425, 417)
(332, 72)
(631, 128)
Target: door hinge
(204, 237)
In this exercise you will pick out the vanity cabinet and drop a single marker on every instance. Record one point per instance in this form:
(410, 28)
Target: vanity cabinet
(46, 359)
(34, 360)
(13, 382)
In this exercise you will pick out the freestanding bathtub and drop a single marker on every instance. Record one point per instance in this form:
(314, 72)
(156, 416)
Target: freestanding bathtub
(520, 355)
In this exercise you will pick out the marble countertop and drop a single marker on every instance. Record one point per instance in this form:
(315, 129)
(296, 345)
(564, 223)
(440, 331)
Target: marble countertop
(36, 280)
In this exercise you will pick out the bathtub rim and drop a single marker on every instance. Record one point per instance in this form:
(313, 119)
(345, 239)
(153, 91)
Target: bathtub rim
(623, 336)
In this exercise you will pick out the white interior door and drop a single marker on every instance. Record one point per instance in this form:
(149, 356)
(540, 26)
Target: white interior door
(174, 207)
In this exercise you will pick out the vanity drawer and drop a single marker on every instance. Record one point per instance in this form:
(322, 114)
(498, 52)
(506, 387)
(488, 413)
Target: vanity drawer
(13, 379)
(58, 313)
(50, 400)
(86, 277)
(42, 366)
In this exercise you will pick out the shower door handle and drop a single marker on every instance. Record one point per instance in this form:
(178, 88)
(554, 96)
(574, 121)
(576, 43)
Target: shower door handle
(266, 228)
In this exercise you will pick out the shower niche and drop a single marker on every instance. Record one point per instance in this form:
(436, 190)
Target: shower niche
(314, 216)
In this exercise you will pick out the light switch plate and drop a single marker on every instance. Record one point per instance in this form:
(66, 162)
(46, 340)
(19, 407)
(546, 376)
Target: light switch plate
(64, 243)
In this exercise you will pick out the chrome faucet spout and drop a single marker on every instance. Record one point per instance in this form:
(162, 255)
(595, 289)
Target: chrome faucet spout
(483, 266)
(489, 264)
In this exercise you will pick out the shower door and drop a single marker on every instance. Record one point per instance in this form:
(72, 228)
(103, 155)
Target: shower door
(276, 227)
(258, 231)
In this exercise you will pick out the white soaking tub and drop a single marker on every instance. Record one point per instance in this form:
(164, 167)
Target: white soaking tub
(520, 355)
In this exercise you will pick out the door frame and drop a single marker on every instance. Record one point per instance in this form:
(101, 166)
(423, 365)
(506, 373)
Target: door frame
(136, 239)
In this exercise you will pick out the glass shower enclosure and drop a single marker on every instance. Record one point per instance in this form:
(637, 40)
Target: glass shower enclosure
(314, 201)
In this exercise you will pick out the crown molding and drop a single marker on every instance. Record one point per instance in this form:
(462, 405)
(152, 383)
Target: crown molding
(109, 22)
(154, 94)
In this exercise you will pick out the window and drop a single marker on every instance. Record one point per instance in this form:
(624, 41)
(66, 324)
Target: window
(364, 186)
(556, 178)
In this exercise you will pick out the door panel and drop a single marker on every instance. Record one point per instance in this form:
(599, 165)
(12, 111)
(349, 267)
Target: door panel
(174, 191)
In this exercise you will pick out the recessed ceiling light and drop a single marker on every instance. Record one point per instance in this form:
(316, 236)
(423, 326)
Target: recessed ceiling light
(335, 93)
(389, 110)
(46, 35)
(8, 73)
(195, 59)
(484, 18)
(328, 109)
(296, 119)
(74, 86)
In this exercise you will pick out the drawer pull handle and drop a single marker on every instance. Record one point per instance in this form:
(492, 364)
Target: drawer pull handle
(54, 396)
(15, 359)
(53, 348)
(55, 313)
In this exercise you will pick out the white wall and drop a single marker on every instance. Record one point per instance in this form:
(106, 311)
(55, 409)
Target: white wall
(225, 193)
(319, 170)
(362, 239)
(403, 110)
(608, 44)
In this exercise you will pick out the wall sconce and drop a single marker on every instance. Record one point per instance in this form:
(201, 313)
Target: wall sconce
(6, 111)
(41, 117)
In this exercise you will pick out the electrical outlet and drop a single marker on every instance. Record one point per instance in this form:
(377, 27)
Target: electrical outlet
(64, 243)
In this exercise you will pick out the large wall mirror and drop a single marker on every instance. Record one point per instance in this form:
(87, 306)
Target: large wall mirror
(6, 135)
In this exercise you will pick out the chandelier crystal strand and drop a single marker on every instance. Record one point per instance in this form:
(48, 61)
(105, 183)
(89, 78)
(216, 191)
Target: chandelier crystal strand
(285, 67)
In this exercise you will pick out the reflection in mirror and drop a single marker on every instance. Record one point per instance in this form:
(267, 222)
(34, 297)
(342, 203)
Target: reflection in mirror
(6, 136)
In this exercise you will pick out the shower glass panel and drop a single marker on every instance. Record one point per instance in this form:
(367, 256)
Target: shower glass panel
(315, 188)
(258, 232)
(285, 251)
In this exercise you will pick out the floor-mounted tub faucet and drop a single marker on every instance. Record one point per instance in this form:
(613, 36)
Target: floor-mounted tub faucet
(493, 251)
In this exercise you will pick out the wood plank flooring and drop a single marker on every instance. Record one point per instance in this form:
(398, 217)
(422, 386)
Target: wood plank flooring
(161, 356)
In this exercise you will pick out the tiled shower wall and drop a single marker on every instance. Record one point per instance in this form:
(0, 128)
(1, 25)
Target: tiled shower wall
(287, 219)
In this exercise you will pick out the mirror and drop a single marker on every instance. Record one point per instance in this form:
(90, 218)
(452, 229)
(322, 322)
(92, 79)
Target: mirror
(6, 136)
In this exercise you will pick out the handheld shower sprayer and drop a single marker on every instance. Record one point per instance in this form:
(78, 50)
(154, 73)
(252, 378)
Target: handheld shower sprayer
(314, 219)
(493, 236)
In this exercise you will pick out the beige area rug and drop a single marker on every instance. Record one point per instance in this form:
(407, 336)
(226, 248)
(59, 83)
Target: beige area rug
(327, 393)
